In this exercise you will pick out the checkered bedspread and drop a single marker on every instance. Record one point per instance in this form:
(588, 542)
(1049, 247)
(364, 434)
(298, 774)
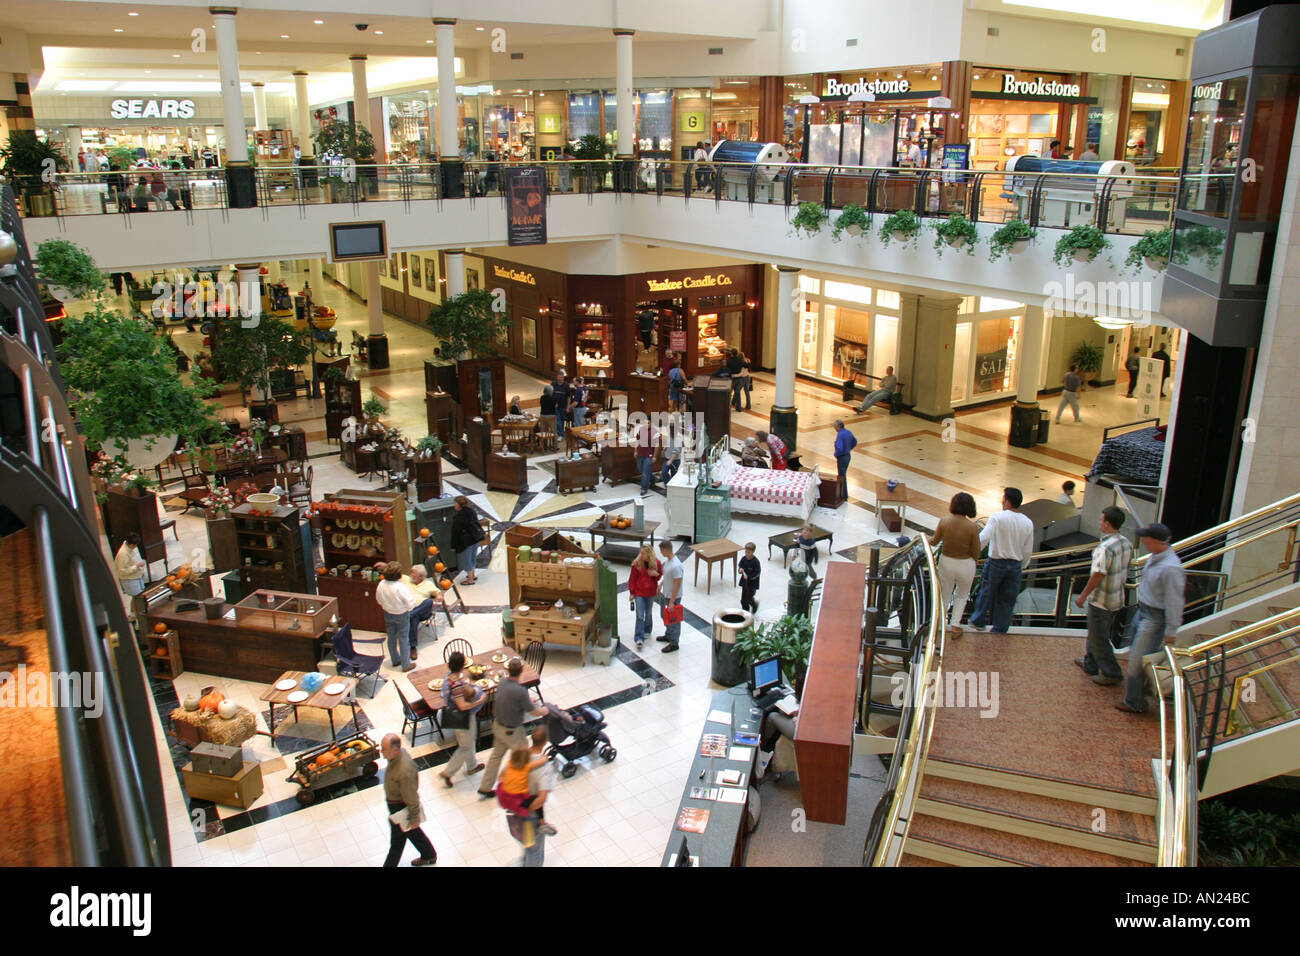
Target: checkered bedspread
(772, 487)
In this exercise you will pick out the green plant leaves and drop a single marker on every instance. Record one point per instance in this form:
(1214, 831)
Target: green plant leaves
(248, 355)
(809, 218)
(64, 264)
(1003, 239)
(1080, 238)
(789, 638)
(904, 223)
(468, 323)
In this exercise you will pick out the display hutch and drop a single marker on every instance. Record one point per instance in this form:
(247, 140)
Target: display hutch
(507, 472)
(478, 446)
(127, 513)
(618, 462)
(164, 651)
(359, 529)
(573, 474)
(342, 401)
(711, 397)
(539, 579)
(275, 548)
(427, 477)
(441, 386)
(481, 387)
(647, 393)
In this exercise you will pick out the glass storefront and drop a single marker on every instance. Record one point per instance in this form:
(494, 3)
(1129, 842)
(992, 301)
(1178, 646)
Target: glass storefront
(410, 131)
(846, 330)
(984, 354)
(1149, 125)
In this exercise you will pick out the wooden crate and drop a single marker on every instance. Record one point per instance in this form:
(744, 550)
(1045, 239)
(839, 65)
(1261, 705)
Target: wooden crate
(240, 790)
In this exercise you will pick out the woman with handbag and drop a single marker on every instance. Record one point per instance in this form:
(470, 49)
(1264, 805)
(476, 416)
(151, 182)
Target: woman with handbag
(642, 586)
(463, 701)
(465, 536)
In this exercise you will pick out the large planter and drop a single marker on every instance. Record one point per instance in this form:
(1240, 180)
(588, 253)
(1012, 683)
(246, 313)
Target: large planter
(62, 293)
(956, 242)
(900, 236)
(138, 454)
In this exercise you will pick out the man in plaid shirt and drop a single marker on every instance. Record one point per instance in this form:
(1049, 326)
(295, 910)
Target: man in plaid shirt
(1110, 561)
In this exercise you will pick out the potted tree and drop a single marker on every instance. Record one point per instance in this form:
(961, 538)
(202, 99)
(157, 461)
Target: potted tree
(352, 141)
(1154, 250)
(248, 356)
(128, 394)
(955, 232)
(852, 219)
(901, 227)
(1013, 238)
(808, 219)
(428, 467)
(1088, 357)
(592, 176)
(1082, 243)
(68, 269)
(789, 638)
(27, 162)
(467, 324)
(372, 408)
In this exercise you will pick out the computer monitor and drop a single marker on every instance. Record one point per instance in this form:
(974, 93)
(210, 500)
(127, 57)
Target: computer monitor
(684, 854)
(765, 674)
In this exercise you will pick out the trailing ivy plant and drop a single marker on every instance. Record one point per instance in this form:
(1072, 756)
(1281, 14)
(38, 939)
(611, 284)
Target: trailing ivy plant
(789, 638)
(124, 379)
(468, 323)
(62, 263)
(1198, 240)
(1155, 249)
(850, 215)
(809, 219)
(955, 232)
(430, 446)
(1003, 240)
(1081, 238)
(902, 226)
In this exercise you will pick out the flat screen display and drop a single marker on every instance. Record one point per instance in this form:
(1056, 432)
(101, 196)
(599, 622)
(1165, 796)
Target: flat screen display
(767, 673)
(357, 240)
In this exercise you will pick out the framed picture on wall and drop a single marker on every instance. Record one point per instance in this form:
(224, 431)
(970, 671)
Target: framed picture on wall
(528, 340)
(471, 280)
(431, 273)
(417, 275)
(395, 266)
(383, 268)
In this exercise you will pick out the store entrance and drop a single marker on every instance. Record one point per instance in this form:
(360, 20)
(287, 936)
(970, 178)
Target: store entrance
(661, 334)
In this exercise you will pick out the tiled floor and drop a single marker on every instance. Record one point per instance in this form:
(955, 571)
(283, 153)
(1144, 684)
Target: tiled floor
(608, 814)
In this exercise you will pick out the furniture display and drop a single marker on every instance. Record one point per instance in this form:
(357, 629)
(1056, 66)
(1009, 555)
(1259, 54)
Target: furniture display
(831, 493)
(241, 790)
(621, 544)
(444, 420)
(892, 518)
(359, 529)
(223, 543)
(785, 541)
(549, 626)
(342, 401)
(260, 643)
(711, 397)
(164, 651)
(646, 393)
(193, 727)
(428, 477)
(723, 841)
(538, 583)
(478, 446)
(130, 513)
(823, 739)
(711, 553)
(292, 441)
(791, 494)
(320, 698)
(618, 463)
(275, 549)
(574, 474)
(712, 513)
(422, 677)
(507, 472)
(481, 387)
(680, 503)
(578, 437)
(519, 434)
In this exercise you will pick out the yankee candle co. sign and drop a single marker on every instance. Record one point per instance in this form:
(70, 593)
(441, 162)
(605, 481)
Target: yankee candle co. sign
(1037, 87)
(144, 109)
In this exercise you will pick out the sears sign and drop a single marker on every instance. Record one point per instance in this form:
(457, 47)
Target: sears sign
(145, 109)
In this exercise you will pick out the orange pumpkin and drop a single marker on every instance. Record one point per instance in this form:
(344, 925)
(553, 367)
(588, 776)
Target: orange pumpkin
(445, 584)
(325, 759)
(439, 567)
(160, 628)
(322, 570)
(175, 585)
(210, 700)
(432, 549)
(170, 578)
(424, 532)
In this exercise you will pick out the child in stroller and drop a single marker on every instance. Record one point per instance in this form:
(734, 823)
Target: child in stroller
(575, 733)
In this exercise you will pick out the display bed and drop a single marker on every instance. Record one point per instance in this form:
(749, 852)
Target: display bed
(766, 492)
(1134, 456)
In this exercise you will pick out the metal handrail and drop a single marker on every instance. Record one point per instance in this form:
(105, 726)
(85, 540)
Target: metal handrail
(907, 768)
(1267, 624)
(1176, 798)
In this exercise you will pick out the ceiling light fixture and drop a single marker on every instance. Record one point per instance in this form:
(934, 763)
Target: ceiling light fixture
(480, 29)
(132, 13)
(284, 36)
(318, 22)
(176, 56)
(117, 30)
(428, 41)
(379, 33)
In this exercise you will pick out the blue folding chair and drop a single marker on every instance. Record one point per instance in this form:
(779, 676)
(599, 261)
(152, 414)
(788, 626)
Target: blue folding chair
(360, 659)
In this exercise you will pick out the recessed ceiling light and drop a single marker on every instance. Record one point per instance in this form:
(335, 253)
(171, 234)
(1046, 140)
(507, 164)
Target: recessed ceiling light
(117, 29)
(480, 29)
(132, 13)
(379, 33)
(977, 76)
(318, 22)
(428, 41)
(284, 36)
(148, 71)
(176, 56)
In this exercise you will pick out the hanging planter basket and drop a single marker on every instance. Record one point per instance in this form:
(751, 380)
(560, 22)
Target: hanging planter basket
(853, 230)
(1085, 255)
(957, 242)
(1155, 265)
(1019, 246)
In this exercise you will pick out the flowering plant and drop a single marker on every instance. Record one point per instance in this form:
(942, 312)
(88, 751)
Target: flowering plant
(243, 444)
(219, 501)
(257, 429)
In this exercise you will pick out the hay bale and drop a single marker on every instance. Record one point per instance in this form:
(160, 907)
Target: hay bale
(197, 726)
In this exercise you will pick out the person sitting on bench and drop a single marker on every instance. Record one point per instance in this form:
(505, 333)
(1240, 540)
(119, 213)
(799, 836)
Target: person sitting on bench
(884, 393)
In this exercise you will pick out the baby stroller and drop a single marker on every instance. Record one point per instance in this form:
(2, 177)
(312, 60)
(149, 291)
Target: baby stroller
(575, 733)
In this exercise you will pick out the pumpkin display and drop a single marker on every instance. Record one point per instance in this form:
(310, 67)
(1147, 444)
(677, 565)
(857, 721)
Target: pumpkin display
(175, 585)
(432, 549)
(325, 759)
(211, 701)
(424, 532)
(439, 567)
(227, 709)
(445, 584)
(190, 703)
(160, 628)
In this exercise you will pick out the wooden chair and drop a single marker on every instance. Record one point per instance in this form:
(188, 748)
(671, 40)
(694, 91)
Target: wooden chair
(415, 711)
(534, 656)
(300, 486)
(458, 644)
(195, 490)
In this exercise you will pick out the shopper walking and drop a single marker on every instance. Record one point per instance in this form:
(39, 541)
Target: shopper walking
(642, 586)
(1104, 594)
(463, 701)
(1163, 356)
(1161, 597)
(1010, 539)
(747, 381)
(750, 572)
(130, 565)
(402, 793)
(511, 706)
(960, 538)
(466, 533)
(1070, 393)
(670, 597)
(397, 601)
(645, 455)
(845, 442)
(1132, 366)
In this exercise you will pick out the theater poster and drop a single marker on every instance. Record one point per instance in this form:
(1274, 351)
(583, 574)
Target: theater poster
(526, 205)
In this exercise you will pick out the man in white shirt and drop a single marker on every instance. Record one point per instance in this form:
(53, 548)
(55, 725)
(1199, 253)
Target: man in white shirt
(671, 576)
(1009, 536)
(912, 156)
(397, 601)
(701, 158)
(1090, 153)
(417, 581)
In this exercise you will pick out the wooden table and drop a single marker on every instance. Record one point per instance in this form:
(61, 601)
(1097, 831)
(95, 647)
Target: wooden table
(518, 435)
(886, 497)
(574, 473)
(719, 549)
(318, 699)
(587, 436)
(223, 465)
(611, 534)
(785, 541)
(420, 678)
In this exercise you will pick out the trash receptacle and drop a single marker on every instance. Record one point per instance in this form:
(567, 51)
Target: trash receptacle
(728, 669)
(1044, 421)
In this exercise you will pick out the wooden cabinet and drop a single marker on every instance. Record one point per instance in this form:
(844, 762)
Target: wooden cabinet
(126, 513)
(712, 513)
(443, 414)
(712, 399)
(618, 463)
(358, 538)
(342, 400)
(550, 627)
(647, 393)
(481, 387)
(164, 652)
(356, 598)
(507, 473)
(223, 544)
(478, 446)
(574, 474)
(275, 550)
(428, 477)
(293, 441)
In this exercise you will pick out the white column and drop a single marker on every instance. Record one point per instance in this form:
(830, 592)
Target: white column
(259, 106)
(361, 94)
(787, 335)
(624, 116)
(374, 301)
(455, 272)
(247, 275)
(448, 126)
(315, 276)
(302, 118)
(232, 101)
(1029, 355)
(74, 146)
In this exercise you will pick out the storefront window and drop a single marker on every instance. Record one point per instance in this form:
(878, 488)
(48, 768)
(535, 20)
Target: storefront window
(661, 332)
(409, 133)
(655, 123)
(984, 353)
(849, 331)
(808, 322)
(1147, 122)
(595, 345)
(848, 292)
(508, 130)
(735, 108)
